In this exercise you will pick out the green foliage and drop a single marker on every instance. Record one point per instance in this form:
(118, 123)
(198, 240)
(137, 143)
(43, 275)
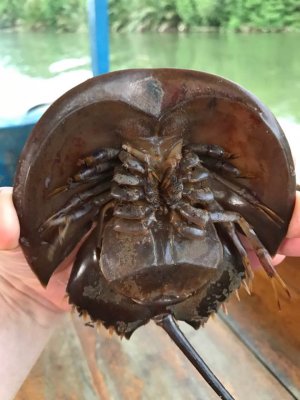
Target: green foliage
(57, 14)
(208, 11)
(61, 15)
(262, 15)
(292, 14)
(143, 15)
(187, 12)
(10, 13)
(232, 14)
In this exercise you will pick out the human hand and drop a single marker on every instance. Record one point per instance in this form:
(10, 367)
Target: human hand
(291, 244)
(29, 313)
(16, 278)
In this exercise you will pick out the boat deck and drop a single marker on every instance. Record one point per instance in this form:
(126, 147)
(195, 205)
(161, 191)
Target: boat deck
(254, 351)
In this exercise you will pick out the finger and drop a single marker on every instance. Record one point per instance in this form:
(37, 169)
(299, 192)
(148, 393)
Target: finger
(56, 289)
(290, 247)
(255, 263)
(278, 259)
(9, 223)
(294, 227)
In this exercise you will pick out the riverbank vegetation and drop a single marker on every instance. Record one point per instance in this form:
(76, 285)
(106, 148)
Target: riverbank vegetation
(153, 15)
(59, 15)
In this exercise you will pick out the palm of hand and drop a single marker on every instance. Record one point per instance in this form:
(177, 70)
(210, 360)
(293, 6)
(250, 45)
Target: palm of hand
(14, 270)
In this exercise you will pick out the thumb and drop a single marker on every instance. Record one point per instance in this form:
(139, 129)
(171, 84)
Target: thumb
(9, 223)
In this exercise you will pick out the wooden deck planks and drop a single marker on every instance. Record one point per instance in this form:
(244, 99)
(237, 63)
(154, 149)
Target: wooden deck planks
(273, 335)
(61, 373)
(149, 366)
(168, 375)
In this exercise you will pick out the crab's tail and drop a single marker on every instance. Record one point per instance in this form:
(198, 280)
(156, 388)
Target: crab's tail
(168, 323)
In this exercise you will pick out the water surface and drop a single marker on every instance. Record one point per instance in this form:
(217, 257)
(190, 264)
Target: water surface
(38, 67)
(266, 64)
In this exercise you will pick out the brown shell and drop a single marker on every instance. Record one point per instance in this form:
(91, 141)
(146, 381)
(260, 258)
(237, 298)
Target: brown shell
(97, 113)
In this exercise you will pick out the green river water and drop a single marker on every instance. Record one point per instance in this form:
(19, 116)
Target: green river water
(38, 67)
(266, 64)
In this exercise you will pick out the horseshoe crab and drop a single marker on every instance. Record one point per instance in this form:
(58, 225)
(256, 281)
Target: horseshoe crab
(162, 169)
